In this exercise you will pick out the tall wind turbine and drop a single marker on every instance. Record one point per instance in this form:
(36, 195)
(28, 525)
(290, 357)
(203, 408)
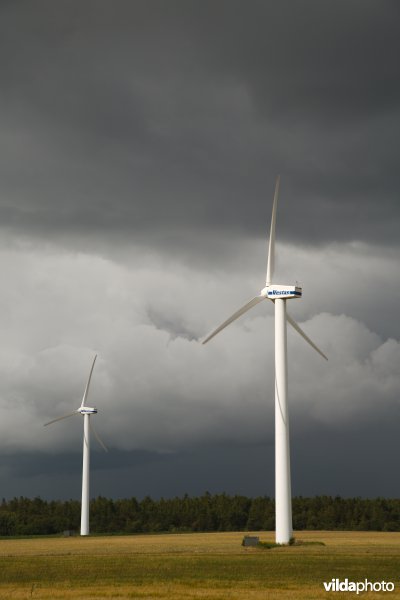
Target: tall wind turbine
(86, 411)
(279, 295)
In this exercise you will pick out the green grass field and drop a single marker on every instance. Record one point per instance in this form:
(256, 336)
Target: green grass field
(184, 566)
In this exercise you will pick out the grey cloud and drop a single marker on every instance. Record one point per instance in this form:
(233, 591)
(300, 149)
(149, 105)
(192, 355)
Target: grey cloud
(156, 388)
(176, 116)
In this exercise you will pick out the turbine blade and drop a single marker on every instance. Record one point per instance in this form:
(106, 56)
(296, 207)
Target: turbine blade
(98, 438)
(271, 245)
(88, 383)
(235, 316)
(299, 330)
(61, 418)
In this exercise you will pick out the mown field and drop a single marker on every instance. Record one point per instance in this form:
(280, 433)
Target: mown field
(199, 566)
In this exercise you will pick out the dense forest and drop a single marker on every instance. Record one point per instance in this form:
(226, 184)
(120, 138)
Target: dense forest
(220, 512)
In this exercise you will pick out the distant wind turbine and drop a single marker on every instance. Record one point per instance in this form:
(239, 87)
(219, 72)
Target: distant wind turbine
(86, 411)
(278, 294)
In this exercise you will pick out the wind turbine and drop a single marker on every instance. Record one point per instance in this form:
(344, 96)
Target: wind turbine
(279, 295)
(86, 411)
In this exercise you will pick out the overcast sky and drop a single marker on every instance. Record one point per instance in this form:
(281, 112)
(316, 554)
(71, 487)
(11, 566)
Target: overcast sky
(140, 143)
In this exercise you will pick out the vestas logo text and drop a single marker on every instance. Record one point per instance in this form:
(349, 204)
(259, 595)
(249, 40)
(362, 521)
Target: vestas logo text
(283, 293)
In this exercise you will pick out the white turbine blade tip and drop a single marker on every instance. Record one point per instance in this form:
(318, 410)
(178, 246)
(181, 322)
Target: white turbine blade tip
(88, 382)
(271, 244)
(299, 330)
(235, 316)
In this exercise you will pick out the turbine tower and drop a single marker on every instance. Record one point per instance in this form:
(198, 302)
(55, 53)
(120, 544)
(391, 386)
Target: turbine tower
(86, 411)
(279, 295)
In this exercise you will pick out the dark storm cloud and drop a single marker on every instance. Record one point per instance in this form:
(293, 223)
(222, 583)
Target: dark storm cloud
(33, 465)
(360, 465)
(141, 116)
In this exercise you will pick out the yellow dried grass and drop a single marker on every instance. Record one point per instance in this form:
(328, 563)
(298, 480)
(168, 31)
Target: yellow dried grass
(211, 566)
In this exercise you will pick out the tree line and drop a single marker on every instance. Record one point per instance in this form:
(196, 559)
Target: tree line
(219, 512)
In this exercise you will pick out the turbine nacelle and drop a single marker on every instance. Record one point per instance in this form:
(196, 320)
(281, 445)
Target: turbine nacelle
(87, 410)
(282, 291)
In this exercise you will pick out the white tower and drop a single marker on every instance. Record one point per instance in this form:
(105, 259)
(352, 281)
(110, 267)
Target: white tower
(279, 295)
(85, 476)
(86, 411)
